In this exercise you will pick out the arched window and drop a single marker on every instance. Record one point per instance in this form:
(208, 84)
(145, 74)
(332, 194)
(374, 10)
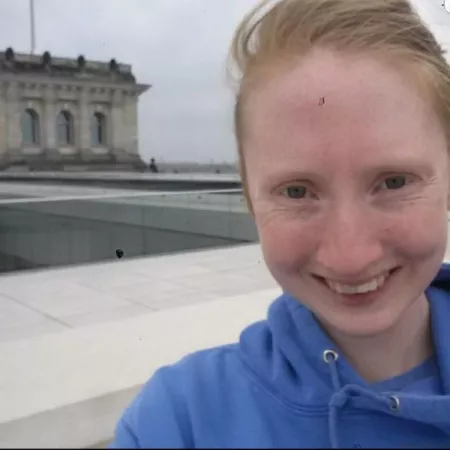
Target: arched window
(30, 127)
(98, 129)
(64, 128)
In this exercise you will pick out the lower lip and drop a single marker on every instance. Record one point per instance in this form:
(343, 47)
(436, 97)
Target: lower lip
(364, 299)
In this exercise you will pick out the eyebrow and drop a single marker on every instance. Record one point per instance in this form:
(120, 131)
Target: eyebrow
(395, 166)
(402, 165)
(292, 175)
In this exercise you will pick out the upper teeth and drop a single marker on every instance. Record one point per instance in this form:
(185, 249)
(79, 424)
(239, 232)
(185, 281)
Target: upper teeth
(372, 285)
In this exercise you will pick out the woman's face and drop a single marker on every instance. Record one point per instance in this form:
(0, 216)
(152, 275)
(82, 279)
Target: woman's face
(347, 174)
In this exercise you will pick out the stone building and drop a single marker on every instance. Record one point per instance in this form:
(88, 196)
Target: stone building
(67, 114)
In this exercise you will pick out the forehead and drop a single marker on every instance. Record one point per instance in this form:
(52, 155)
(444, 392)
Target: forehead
(334, 106)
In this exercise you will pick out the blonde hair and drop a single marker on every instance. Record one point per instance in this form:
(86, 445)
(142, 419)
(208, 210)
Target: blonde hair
(272, 35)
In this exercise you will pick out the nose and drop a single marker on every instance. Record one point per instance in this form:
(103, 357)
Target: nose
(350, 246)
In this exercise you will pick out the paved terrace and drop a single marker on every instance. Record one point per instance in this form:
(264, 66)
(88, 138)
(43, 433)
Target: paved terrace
(56, 300)
(77, 343)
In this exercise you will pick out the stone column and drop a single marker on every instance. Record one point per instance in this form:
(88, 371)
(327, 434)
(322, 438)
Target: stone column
(131, 133)
(84, 130)
(115, 127)
(13, 113)
(49, 128)
(3, 117)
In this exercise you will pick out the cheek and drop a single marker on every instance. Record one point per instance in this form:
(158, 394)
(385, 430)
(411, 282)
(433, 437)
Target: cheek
(419, 235)
(287, 243)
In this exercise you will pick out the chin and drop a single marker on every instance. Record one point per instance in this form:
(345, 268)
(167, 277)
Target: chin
(361, 325)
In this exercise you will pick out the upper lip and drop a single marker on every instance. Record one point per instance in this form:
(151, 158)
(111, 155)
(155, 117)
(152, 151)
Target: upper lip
(354, 281)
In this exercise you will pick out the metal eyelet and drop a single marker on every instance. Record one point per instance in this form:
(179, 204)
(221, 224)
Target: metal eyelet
(330, 353)
(395, 405)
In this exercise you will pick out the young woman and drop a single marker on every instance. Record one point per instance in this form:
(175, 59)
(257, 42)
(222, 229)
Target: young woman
(343, 129)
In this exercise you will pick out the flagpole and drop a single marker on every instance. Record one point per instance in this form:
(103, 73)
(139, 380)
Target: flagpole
(32, 27)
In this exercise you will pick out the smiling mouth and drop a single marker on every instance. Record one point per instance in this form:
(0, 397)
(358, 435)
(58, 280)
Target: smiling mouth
(372, 285)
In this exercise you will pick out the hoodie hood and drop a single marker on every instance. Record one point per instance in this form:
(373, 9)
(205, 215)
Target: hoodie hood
(298, 363)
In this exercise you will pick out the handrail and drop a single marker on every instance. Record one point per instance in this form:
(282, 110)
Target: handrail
(11, 201)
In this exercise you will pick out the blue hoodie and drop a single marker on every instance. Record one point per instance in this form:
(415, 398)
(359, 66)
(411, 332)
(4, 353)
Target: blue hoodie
(284, 385)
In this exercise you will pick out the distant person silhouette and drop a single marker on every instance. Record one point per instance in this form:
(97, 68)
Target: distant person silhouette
(152, 166)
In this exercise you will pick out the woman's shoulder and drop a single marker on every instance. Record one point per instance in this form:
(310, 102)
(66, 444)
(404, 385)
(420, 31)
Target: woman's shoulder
(216, 363)
(202, 365)
(177, 394)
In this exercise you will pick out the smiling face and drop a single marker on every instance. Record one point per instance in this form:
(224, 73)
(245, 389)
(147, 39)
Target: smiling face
(347, 173)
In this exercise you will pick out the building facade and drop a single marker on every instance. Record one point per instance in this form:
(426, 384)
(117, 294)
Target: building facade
(67, 114)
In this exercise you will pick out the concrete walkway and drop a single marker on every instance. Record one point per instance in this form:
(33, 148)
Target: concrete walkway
(76, 344)
(52, 301)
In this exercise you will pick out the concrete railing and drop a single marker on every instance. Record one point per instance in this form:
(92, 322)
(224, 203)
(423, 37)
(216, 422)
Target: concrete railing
(81, 229)
(69, 389)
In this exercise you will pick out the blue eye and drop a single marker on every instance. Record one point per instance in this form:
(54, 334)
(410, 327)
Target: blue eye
(296, 191)
(396, 182)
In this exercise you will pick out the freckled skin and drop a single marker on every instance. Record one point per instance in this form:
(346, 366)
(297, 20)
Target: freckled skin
(349, 227)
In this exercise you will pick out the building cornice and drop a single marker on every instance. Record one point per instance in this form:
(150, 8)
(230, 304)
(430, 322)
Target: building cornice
(83, 84)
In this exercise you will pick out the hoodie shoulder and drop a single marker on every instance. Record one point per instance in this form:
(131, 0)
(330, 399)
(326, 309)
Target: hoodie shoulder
(442, 279)
(165, 412)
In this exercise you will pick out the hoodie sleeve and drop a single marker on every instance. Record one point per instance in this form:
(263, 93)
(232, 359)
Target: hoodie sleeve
(154, 419)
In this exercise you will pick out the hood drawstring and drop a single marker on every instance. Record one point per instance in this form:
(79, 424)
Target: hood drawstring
(343, 394)
(337, 400)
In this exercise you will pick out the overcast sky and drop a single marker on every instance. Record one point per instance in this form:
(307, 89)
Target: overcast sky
(178, 46)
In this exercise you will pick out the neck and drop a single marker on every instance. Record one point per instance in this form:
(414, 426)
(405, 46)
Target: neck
(398, 350)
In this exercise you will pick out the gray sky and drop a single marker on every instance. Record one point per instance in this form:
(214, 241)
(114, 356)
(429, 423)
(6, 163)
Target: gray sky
(178, 46)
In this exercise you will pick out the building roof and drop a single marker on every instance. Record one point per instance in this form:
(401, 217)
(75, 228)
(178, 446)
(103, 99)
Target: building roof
(74, 68)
